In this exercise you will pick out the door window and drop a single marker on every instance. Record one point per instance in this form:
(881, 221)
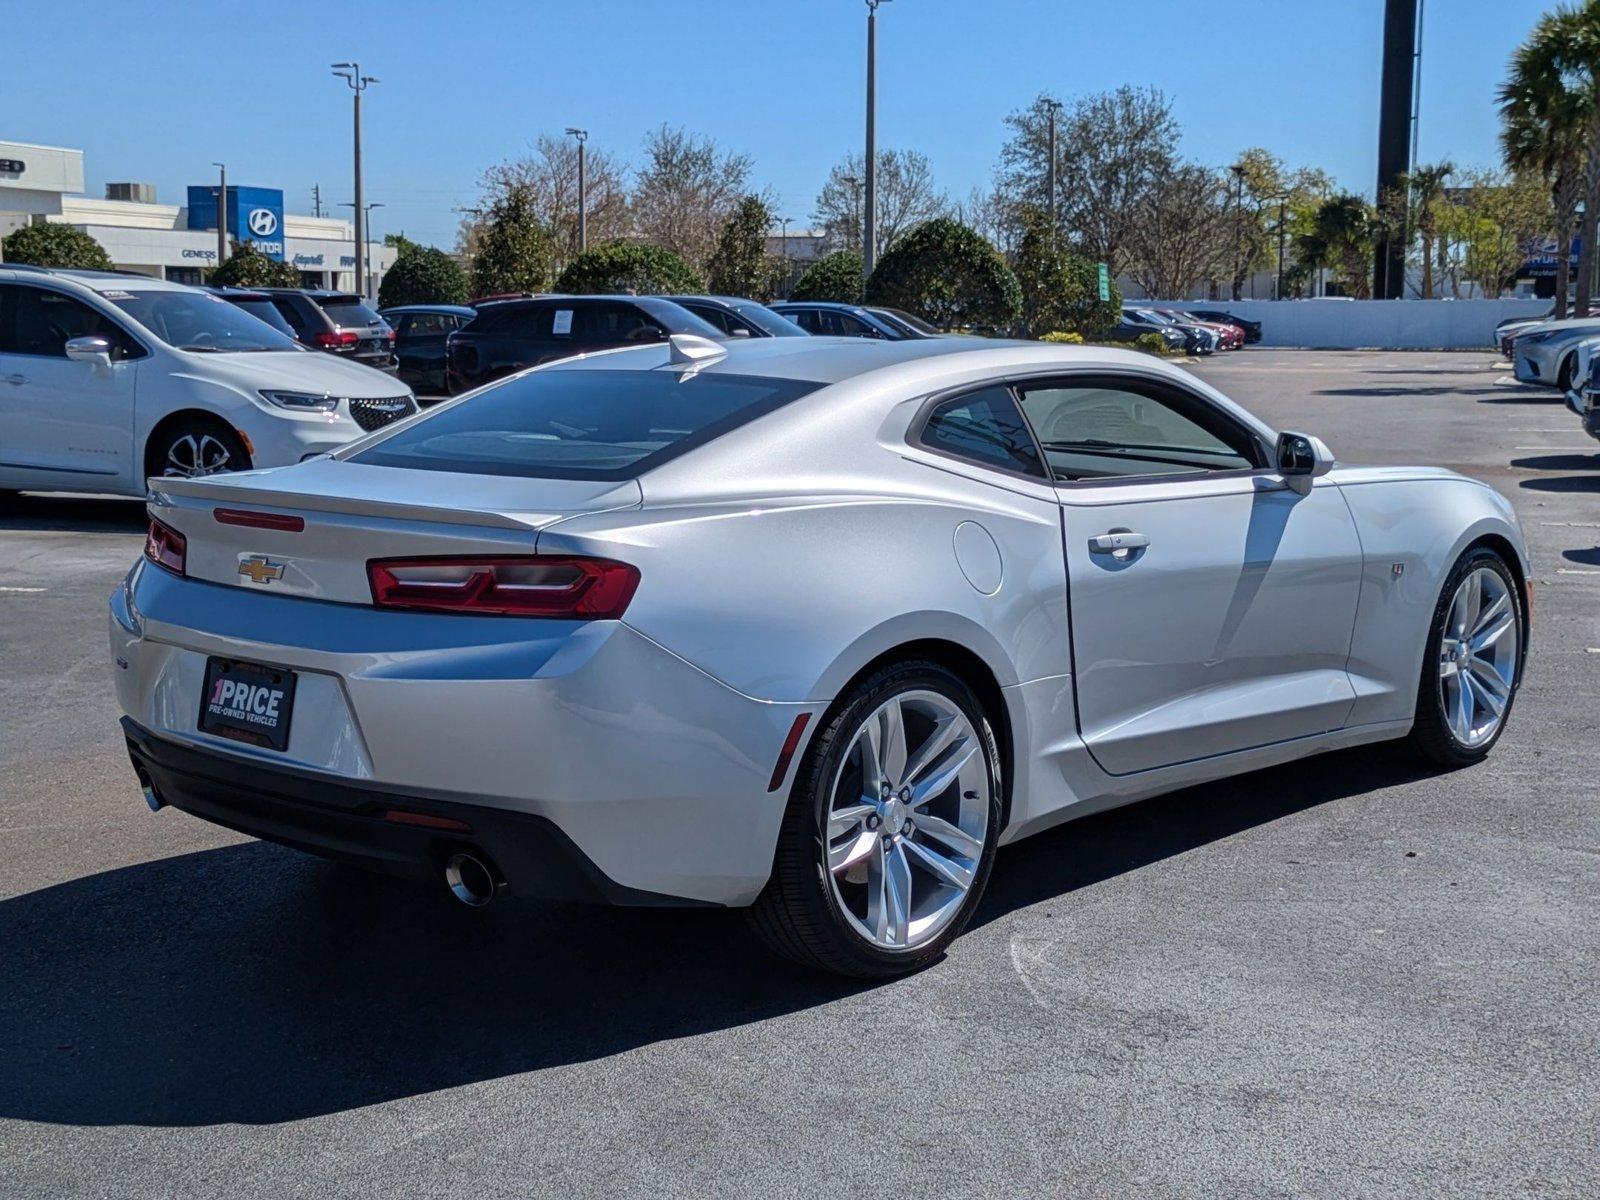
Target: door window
(985, 428)
(41, 322)
(712, 315)
(1098, 429)
(612, 325)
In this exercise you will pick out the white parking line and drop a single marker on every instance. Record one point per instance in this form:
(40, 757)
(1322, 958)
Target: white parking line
(1572, 524)
(1574, 571)
(1550, 447)
(20, 589)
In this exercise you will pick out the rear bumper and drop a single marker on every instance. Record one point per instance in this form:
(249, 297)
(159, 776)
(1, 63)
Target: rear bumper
(657, 772)
(347, 820)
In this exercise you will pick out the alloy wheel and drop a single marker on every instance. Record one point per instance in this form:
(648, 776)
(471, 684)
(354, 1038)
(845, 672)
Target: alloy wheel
(907, 819)
(1478, 657)
(194, 455)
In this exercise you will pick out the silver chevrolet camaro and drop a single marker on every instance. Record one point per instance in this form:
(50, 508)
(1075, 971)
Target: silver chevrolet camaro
(807, 625)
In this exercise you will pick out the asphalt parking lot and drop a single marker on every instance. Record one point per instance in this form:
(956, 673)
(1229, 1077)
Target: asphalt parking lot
(1342, 977)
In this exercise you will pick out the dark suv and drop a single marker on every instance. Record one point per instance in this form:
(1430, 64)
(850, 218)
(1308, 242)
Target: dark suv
(508, 335)
(339, 322)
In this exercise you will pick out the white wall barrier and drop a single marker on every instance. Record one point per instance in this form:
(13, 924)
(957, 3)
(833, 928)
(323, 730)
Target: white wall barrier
(1373, 324)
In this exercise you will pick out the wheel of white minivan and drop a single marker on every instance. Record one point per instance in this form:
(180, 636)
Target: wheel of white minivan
(194, 446)
(890, 830)
(1473, 663)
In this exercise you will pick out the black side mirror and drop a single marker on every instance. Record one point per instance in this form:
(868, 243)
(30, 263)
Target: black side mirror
(1295, 454)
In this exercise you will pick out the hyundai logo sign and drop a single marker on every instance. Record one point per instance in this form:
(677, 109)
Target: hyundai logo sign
(263, 222)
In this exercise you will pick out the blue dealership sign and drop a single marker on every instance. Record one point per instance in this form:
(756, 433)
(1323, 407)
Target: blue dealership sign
(254, 215)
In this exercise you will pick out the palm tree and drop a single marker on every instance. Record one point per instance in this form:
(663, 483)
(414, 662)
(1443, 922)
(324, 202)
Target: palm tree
(1543, 123)
(1342, 235)
(1424, 187)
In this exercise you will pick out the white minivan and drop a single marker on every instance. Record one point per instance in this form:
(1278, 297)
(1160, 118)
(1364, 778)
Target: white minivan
(108, 378)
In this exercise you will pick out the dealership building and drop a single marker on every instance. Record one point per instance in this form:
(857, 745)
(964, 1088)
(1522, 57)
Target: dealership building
(177, 241)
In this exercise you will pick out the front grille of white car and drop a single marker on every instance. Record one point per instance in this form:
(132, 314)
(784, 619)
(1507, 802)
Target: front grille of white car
(375, 414)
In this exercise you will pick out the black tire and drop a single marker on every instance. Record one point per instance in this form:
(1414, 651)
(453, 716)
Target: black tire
(204, 433)
(1564, 373)
(1431, 737)
(797, 913)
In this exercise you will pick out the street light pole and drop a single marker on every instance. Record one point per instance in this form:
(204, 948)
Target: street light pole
(1238, 229)
(222, 213)
(869, 224)
(583, 208)
(368, 279)
(350, 72)
(1052, 107)
(1283, 229)
(783, 225)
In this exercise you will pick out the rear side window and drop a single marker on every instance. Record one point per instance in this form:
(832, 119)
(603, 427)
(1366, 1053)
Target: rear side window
(611, 325)
(582, 424)
(513, 321)
(986, 428)
(265, 310)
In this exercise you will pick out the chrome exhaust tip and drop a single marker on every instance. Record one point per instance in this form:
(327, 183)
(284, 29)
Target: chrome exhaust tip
(470, 879)
(151, 797)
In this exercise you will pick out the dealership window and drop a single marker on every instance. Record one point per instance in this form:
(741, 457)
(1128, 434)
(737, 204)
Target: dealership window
(188, 275)
(312, 279)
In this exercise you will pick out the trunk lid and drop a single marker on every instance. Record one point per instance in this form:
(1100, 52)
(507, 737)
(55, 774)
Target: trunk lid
(354, 512)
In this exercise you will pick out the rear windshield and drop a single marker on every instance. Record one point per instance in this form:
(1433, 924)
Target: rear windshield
(582, 424)
(350, 314)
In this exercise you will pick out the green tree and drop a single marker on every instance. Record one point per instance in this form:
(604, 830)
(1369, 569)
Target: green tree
(423, 275)
(740, 265)
(513, 250)
(1423, 194)
(54, 246)
(1060, 290)
(835, 277)
(1342, 237)
(639, 268)
(946, 273)
(247, 266)
(1542, 128)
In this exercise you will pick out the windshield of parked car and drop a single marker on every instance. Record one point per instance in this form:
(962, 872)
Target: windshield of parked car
(915, 323)
(769, 322)
(584, 424)
(199, 322)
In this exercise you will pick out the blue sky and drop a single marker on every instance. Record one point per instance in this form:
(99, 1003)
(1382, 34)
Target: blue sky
(155, 92)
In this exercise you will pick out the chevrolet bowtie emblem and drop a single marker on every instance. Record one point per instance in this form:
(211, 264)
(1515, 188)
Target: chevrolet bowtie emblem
(258, 569)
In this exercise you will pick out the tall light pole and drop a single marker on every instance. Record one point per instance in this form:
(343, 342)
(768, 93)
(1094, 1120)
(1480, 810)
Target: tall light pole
(222, 213)
(1052, 107)
(854, 185)
(869, 223)
(583, 208)
(1283, 228)
(783, 225)
(364, 282)
(1238, 227)
(350, 72)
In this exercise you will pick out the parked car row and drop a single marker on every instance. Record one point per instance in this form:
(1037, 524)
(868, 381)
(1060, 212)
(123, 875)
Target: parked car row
(107, 343)
(1562, 354)
(108, 378)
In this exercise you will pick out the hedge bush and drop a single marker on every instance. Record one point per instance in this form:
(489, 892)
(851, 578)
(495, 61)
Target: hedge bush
(55, 246)
(949, 275)
(835, 277)
(423, 275)
(618, 268)
(249, 267)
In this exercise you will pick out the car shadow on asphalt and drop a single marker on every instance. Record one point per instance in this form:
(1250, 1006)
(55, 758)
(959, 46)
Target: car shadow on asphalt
(256, 985)
(1411, 391)
(73, 514)
(1587, 463)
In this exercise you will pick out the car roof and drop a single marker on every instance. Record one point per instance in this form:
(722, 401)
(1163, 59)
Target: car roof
(828, 360)
(460, 310)
(840, 305)
(316, 294)
(97, 281)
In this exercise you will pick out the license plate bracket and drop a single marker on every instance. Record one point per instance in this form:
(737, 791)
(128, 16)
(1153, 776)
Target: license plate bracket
(247, 702)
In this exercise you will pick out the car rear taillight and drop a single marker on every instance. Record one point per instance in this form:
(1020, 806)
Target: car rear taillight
(390, 335)
(584, 589)
(165, 546)
(337, 339)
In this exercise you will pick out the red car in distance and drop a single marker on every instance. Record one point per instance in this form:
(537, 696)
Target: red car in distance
(1229, 336)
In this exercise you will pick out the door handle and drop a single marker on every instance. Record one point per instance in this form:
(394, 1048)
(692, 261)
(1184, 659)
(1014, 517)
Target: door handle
(16, 380)
(1121, 542)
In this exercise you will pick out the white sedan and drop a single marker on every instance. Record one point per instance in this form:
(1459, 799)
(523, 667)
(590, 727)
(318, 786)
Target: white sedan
(805, 625)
